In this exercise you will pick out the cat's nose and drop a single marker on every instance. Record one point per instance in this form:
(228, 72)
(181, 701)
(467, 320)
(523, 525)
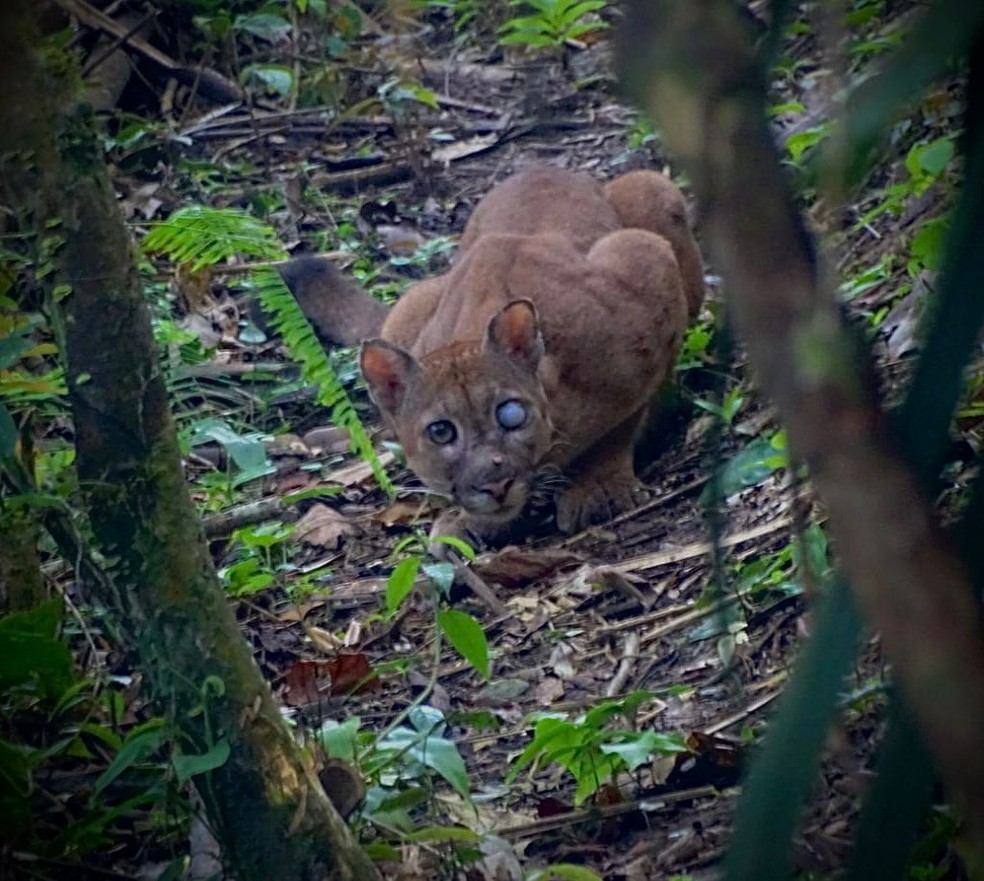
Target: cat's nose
(498, 489)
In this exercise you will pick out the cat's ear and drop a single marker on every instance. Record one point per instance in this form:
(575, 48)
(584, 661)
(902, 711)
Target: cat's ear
(515, 332)
(388, 371)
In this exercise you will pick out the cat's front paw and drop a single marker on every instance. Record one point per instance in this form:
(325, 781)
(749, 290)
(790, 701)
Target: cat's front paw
(584, 503)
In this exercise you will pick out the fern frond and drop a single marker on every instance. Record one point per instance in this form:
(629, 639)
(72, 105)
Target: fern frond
(201, 236)
(305, 348)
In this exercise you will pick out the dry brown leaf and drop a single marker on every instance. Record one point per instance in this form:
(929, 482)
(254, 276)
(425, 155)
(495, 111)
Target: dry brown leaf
(322, 640)
(287, 445)
(324, 527)
(548, 691)
(326, 439)
(514, 567)
(358, 472)
(404, 512)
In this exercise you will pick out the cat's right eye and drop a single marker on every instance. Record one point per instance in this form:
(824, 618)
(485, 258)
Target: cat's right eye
(441, 432)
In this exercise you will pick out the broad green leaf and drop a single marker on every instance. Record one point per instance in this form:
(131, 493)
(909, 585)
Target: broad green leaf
(426, 746)
(275, 77)
(137, 747)
(441, 574)
(30, 652)
(467, 636)
(637, 749)
(12, 348)
(400, 583)
(444, 833)
(264, 25)
(188, 766)
(339, 738)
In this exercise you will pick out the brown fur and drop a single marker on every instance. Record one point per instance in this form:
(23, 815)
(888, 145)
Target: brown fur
(567, 302)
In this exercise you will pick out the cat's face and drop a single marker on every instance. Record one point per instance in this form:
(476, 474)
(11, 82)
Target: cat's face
(472, 416)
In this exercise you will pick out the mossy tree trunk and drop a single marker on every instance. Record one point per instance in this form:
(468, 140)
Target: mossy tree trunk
(265, 801)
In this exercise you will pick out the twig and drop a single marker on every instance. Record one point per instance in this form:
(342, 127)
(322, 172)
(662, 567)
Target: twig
(213, 84)
(630, 653)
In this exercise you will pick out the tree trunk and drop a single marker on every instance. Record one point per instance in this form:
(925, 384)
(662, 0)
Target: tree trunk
(694, 67)
(264, 800)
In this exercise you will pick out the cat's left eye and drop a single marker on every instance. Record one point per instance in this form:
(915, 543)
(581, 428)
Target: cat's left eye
(511, 415)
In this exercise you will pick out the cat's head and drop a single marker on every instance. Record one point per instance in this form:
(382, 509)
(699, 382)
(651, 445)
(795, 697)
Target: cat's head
(471, 416)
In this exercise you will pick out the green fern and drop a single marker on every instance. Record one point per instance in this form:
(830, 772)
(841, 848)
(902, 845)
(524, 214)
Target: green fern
(302, 342)
(199, 236)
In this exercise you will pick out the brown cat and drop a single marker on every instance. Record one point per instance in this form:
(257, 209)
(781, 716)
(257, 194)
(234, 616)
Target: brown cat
(541, 348)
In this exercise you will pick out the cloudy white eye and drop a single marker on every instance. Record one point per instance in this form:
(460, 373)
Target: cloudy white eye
(442, 432)
(511, 415)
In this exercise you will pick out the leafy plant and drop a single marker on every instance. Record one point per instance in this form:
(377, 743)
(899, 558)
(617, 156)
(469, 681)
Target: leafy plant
(592, 751)
(728, 408)
(550, 22)
(399, 764)
(752, 464)
(461, 629)
(199, 236)
(256, 569)
(59, 723)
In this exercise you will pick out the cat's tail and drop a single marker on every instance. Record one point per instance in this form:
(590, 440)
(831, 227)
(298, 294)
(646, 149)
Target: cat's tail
(342, 313)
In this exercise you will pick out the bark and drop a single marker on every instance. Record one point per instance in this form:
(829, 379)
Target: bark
(265, 802)
(694, 64)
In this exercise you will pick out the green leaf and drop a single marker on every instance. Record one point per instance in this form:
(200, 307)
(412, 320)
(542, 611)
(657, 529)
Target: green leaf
(273, 76)
(248, 453)
(30, 651)
(400, 583)
(188, 766)
(444, 833)
(750, 466)
(467, 636)
(441, 574)
(929, 159)
(429, 748)
(265, 25)
(459, 544)
(11, 349)
(139, 744)
(637, 748)
(563, 872)
(339, 738)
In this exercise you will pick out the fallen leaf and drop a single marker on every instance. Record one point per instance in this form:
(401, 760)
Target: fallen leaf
(514, 567)
(324, 527)
(404, 512)
(549, 690)
(560, 660)
(325, 642)
(358, 472)
(287, 445)
(306, 682)
(400, 240)
(351, 674)
(326, 439)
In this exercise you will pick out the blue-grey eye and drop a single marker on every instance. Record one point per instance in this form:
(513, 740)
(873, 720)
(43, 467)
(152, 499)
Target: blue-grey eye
(442, 432)
(511, 415)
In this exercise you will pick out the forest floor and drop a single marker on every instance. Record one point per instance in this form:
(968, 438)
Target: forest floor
(704, 614)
